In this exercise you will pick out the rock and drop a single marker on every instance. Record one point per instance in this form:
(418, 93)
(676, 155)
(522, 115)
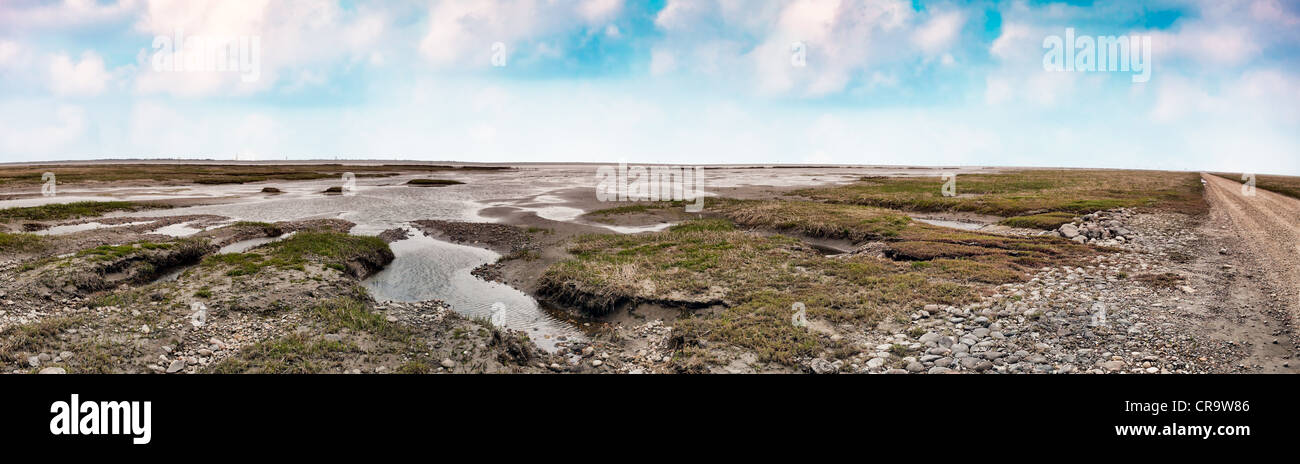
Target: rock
(1069, 231)
(875, 363)
(597, 363)
(34, 361)
(53, 370)
(65, 355)
(940, 370)
(175, 366)
(205, 352)
(915, 367)
(1112, 366)
(333, 337)
(970, 362)
(822, 366)
(448, 363)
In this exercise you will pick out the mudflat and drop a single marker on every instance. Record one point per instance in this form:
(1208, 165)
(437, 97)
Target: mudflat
(383, 267)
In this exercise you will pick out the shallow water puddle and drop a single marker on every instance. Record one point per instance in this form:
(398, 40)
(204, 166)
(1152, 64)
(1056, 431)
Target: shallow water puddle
(951, 224)
(182, 229)
(430, 269)
(71, 228)
(636, 229)
(245, 245)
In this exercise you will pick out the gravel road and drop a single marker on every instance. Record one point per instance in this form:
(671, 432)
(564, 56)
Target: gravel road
(1264, 233)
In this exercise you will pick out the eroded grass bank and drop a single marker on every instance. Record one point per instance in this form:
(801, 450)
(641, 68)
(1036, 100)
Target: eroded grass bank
(290, 306)
(750, 278)
(74, 210)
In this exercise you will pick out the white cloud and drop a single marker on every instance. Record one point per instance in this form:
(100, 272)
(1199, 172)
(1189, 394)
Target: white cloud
(595, 11)
(78, 78)
(939, 32)
(462, 32)
(293, 34)
(64, 14)
(8, 52)
(845, 41)
(662, 62)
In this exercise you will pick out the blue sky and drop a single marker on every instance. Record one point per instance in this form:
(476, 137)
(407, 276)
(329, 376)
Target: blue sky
(676, 81)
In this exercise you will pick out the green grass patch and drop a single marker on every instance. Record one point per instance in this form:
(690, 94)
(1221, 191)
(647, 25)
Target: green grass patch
(330, 249)
(814, 219)
(32, 337)
(21, 243)
(291, 354)
(74, 210)
(1045, 221)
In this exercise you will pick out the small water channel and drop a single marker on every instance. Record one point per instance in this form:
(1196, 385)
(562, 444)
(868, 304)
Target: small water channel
(430, 269)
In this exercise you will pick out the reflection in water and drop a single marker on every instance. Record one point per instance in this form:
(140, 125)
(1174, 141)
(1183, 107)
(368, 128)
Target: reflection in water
(429, 269)
(951, 224)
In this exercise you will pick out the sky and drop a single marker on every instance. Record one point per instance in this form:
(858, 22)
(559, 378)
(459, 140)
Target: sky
(662, 81)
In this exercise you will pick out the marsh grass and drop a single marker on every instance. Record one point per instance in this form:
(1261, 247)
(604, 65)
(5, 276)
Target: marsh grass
(301, 353)
(754, 278)
(290, 354)
(74, 210)
(1026, 192)
(1045, 221)
(17, 339)
(22, 243)
(331, 249)
(750, 278)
